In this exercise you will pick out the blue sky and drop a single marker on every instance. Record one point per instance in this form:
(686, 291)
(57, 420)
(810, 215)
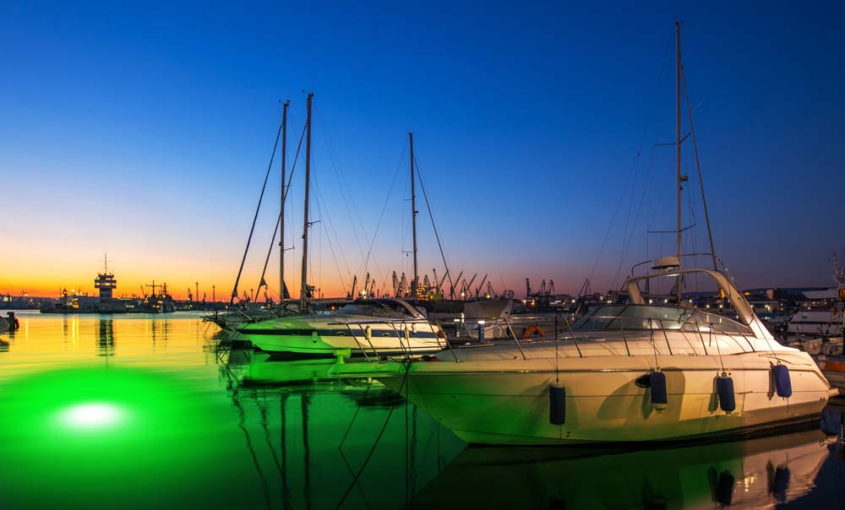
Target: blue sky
(144, 129)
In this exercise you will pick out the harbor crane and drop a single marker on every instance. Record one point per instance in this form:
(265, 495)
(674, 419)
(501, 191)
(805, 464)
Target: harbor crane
(452, 286)
(480, 286)
(438, 284)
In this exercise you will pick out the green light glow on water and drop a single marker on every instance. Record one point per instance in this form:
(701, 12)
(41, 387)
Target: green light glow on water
(95, 415)
(140, 412)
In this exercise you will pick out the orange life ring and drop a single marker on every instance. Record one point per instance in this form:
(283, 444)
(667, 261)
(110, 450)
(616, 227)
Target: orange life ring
(531, 331)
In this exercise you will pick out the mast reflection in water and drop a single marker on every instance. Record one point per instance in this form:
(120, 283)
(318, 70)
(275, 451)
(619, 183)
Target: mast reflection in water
(171, 421)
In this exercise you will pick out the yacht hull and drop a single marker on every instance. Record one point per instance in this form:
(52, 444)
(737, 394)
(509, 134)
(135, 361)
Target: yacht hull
(299, 339)
(507, 402)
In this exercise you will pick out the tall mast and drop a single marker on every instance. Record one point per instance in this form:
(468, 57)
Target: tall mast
(678, 140)
(282, 206)
(415, 281)
(303, 293)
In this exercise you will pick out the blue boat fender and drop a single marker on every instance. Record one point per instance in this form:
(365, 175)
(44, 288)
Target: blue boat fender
(783, 385)
(659, 396)
(725, 488)
(725, 388)
(557, 404)
(780, 484)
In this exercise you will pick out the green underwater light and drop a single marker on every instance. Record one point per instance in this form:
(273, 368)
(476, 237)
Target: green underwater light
(93, 415)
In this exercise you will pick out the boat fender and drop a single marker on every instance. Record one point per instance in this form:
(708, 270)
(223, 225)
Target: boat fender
(725, 387)
(780, 485)
(783, 385)
(480, 332)
(725, 488)
(659, 397)
(557, 404)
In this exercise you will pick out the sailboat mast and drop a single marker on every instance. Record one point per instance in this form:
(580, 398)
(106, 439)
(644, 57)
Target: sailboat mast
(303, 293)
(282, 206)
(415, 281)
(678, 140)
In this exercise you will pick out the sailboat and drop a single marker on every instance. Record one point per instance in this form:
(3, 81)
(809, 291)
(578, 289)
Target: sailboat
(636, 372)
(374, 327)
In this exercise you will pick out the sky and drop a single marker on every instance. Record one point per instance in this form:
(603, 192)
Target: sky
(144, 130)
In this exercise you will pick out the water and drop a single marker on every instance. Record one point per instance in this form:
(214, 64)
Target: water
(142, 411)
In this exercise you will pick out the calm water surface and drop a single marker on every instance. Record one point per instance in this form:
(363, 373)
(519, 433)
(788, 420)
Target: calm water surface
(142, 411)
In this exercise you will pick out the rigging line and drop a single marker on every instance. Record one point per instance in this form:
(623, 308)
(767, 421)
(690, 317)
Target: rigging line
(278, 220)
(433, 222)
(698, 164)
(378, 439)
(262, 409)
(625, 233)
(331, 247)
(384, 208)
(405, 224)
(263, 282)
(333, 231)
(255, 218)
(635, 165)
(631, 235)
(242, 425)
(647, 194)
(345, 189)
(646, 187)
(670, 54)
(283, 397)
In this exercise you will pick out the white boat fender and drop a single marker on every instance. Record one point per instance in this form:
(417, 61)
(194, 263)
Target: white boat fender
(557, 404)
(783, 385)
(659, 397)
(725, 388)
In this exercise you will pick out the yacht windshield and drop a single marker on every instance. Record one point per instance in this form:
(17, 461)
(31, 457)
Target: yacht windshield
(374, 309)
(644, 317)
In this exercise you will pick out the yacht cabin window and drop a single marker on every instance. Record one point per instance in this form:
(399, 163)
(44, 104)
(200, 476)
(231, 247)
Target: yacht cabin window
(643, 317)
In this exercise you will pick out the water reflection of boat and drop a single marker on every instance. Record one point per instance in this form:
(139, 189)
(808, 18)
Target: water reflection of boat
(257, 370)
(759, 473)
(105, 338)
(309, 444)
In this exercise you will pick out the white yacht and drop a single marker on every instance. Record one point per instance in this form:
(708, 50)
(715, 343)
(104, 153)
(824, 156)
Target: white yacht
(372, 327)
(625, 373)
(822, 323)
(634, 372)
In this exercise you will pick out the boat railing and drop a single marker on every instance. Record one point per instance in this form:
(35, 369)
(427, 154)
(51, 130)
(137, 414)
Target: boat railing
(656, 326)
(402, 334)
